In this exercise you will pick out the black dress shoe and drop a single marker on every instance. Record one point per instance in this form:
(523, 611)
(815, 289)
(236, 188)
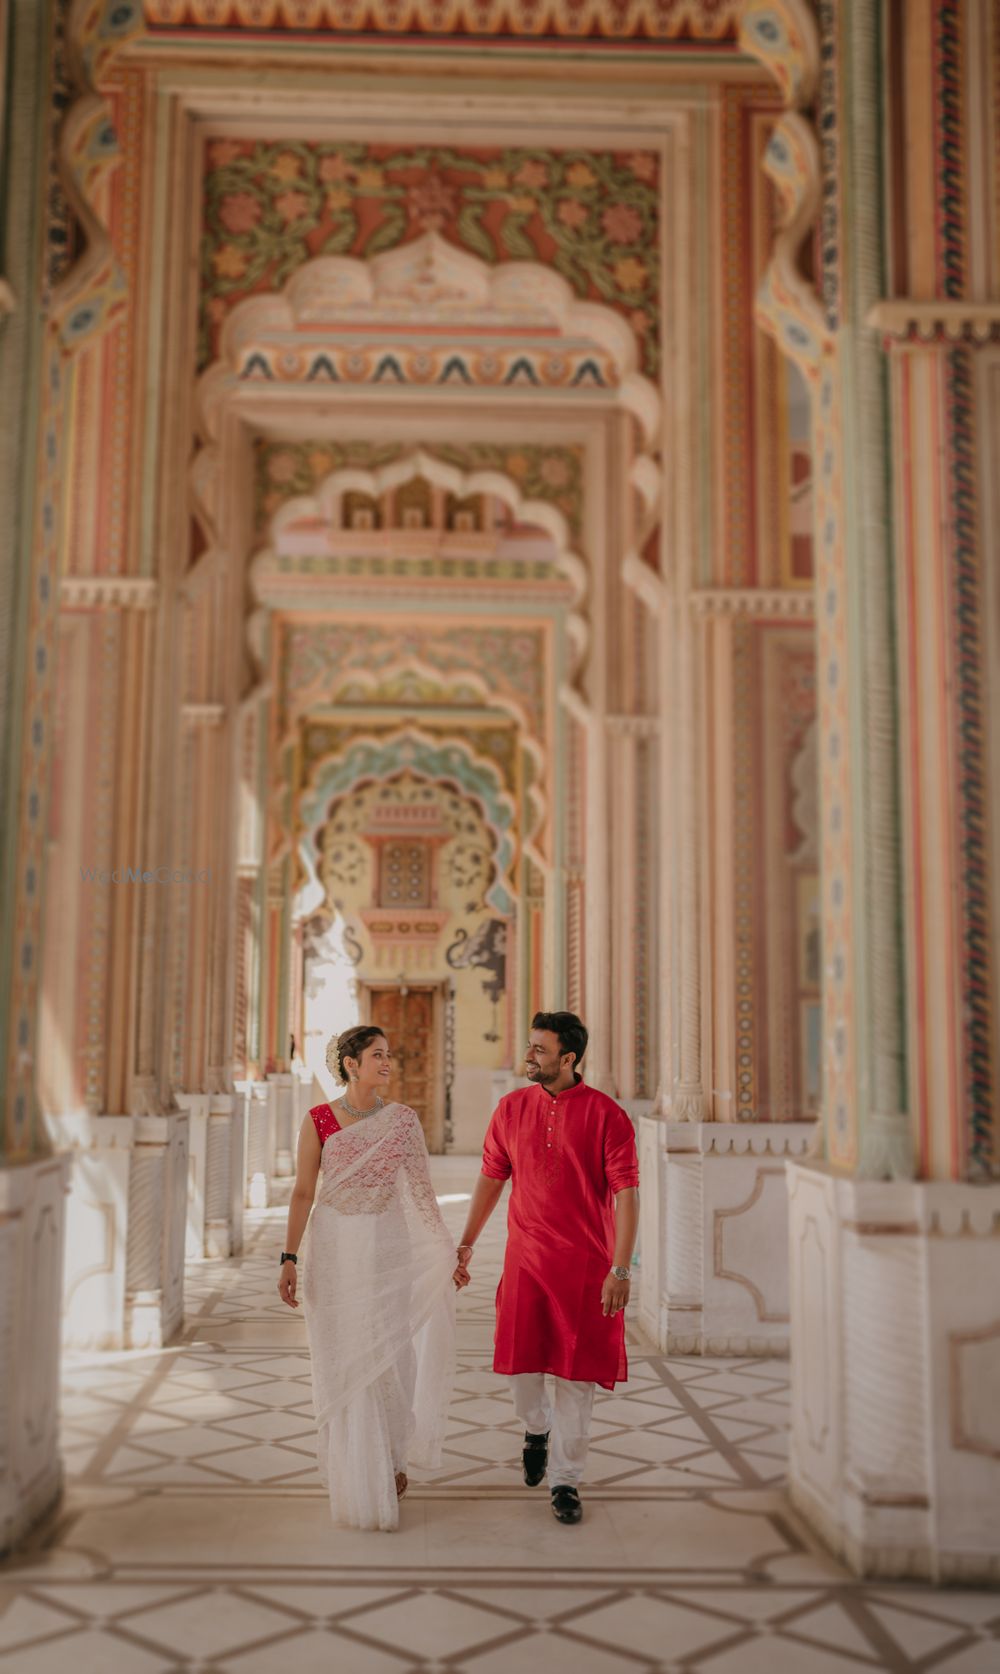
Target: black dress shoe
(566, 1507)
(535, 1458)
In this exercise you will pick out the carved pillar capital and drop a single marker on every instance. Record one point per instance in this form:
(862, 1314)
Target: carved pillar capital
(688, 1103)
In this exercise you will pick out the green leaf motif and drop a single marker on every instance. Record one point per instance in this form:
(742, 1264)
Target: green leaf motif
(343, 235)
(515, 240)
(601, 279)
(293, 256)
(389, 231)
(566, 264)
(473, 236)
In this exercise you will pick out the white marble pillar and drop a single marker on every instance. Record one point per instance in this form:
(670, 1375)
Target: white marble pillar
(155, 1234)
(283, 1130)
(32, 1225)
(259, 1142)
(125, 1228)
(216, 1173)
(895, 1305)
(715, 1234)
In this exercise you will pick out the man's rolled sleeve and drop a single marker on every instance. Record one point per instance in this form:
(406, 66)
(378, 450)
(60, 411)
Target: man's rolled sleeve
(496, 1160)
(621, 1160)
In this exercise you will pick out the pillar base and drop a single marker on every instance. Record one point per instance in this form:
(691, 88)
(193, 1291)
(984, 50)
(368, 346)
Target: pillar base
(216, 1173)
(32, 1228)
(714, 1234)
(258, 1142)
(895, 1303)
(283, 1090)
(125, 1228)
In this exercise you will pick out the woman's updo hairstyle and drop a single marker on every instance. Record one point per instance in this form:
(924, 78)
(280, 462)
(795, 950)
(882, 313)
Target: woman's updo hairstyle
(350, 1044)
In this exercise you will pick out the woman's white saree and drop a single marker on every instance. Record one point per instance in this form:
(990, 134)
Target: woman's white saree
(380, 1313)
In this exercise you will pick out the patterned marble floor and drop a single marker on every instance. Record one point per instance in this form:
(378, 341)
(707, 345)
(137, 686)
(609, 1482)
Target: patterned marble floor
(195, 1536)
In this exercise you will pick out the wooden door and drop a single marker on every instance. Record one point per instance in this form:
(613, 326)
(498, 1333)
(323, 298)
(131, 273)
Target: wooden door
(409, 1017)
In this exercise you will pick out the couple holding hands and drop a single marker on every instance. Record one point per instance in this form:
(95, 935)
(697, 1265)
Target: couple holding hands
(381, 1271)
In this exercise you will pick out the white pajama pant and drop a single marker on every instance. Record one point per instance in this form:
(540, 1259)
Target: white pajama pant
(564, 1416)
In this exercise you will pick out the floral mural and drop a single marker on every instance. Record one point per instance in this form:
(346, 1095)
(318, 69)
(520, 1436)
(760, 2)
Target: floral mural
(269, 206)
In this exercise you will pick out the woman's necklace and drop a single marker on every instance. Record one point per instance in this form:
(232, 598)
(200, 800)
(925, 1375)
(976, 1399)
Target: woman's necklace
(352, 1109)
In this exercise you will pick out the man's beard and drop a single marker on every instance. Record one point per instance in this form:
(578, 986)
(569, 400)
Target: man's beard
(534, 1073)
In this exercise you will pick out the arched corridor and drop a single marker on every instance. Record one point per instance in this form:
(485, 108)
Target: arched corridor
(195, 1536)
(500, 512)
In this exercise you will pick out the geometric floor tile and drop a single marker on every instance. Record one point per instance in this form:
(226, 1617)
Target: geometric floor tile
(917, 1634)
(767, 1656)
(658, 1631)
(551, 1655)
(194, 1503)
(24, 1619)
(419, 1624)
(210, 1625)
(84, 1653)
(317, 1653)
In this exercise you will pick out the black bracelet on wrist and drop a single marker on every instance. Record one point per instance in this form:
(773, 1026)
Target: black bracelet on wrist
(287, 1256)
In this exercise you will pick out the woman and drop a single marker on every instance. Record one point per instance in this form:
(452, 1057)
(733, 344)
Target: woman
(378, 1287)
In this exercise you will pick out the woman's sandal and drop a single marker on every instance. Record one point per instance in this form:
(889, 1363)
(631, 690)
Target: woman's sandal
(402, 1483)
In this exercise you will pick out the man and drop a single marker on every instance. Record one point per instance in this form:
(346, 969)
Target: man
(570, 1155)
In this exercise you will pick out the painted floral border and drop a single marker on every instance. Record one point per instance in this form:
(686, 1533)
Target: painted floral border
(593, 216)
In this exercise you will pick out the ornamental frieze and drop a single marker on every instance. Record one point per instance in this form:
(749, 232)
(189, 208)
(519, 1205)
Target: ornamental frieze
(286, 469)
(272, 206)
(648, 21)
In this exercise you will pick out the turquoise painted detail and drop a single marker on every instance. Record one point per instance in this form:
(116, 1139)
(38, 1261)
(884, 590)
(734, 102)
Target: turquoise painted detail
(428, 758)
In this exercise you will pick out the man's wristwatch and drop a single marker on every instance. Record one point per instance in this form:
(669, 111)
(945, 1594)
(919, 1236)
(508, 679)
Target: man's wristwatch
(286, 1256)
(621, 1273)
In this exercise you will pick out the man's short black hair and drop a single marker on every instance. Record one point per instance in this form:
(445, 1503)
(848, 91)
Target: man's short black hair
(573, 1036)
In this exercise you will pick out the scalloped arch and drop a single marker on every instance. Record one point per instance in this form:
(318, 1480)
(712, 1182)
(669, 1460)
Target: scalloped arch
(538, 802)
(427, 282)
(449, 761)
(324, 504)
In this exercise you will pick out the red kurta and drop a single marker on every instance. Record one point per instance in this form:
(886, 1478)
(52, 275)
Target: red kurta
(566, 1157)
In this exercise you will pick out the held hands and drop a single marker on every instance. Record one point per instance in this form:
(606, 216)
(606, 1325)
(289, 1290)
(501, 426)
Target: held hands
(286, 1283)
(461, 1275)
(614, 1294)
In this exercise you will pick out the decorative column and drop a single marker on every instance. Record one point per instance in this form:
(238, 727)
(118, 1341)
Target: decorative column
(713, 1205)
(111, 884)
(247, 954)
(207, 913)
(688, 1101)
(205, 957)
(647, 585)
(895, 1279)
(944, 368)
(632, 931)
(597, 891)
(622, 821)
(33, 1182)
(46, 312)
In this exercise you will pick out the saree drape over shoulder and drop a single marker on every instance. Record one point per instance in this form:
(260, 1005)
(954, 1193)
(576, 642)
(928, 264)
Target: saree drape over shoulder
(380, 1314)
